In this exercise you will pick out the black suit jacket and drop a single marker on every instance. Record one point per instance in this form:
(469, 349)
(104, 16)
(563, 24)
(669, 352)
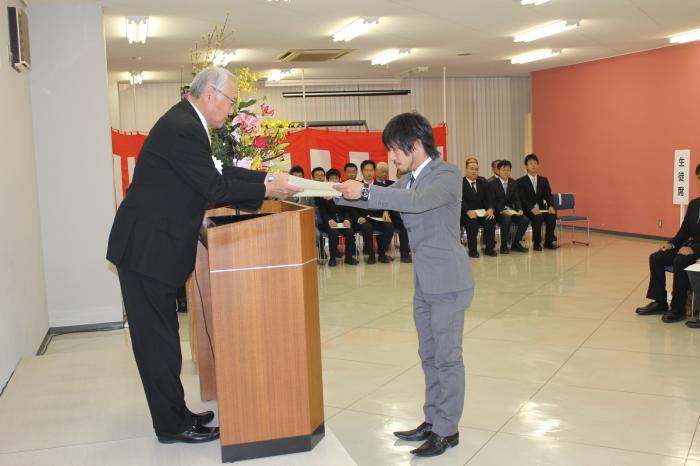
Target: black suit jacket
(482, 198)
(502, 199)
(156, 227)
(689, 233)
(329, 210)
(529, 198)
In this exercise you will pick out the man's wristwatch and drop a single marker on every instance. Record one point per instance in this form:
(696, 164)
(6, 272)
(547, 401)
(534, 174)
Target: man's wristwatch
(364, 192)
(269, 177)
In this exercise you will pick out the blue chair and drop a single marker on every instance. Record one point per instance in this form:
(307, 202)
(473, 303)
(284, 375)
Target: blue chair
(566, 201)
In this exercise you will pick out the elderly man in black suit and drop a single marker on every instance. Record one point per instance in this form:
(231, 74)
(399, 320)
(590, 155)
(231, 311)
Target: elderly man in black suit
(476, 196)
(680, 252)
(508, 207)
(535, 195)
(154, 238)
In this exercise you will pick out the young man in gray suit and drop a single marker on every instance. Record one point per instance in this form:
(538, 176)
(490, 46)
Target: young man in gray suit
(429, 198)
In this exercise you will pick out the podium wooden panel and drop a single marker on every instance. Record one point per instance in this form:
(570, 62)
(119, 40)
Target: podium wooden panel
(254, 296)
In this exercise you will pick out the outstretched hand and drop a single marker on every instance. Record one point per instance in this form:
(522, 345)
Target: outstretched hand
(350, 189)
(280, 188)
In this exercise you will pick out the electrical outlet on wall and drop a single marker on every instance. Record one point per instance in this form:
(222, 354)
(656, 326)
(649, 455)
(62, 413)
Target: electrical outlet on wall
(661, 223)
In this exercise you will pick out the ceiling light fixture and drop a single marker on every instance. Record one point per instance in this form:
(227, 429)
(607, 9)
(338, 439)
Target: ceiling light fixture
(533, 2)
(136, 29)
(222, 57)
(135, 77)
(533, 56)
(278, 75)
(685, 37)
(354, 29)
(546, 31)
(390, 56)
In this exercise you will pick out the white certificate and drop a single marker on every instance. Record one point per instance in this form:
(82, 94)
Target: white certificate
(313, 188)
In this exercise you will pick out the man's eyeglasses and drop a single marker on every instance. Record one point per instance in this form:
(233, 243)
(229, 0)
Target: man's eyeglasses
(233, 101)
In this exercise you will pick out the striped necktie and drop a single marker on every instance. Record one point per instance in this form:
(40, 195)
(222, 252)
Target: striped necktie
(410, 182)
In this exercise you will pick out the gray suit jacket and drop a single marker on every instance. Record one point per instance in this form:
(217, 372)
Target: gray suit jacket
(430, 210)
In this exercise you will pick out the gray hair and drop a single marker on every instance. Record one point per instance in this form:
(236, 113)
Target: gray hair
(382, 165)
(213, 76)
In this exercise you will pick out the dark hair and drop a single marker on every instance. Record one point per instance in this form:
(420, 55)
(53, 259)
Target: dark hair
(297, 169)
(368, 162)
(318, 169)
(697, 169)
(405, 129)
(531, 157)
(504, 163)
(332, 172)
(349, 165)
(494, 164)
(470, 160)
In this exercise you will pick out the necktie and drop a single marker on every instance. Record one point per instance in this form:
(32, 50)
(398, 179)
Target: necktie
(534, 184)
(410, 182)
(505, 187)
(474, 186)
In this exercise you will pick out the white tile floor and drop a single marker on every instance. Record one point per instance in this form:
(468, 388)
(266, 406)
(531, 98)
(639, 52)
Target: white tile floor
(560, 371)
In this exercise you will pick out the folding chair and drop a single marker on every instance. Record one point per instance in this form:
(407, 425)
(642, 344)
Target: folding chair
(566, 201)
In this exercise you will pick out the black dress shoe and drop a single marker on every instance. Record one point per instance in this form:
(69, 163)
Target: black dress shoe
(195, 434)
(418, 434)
(436, 445)
(652, 308)
(406, 259)
(474, 254)
(672, 316)
(351, 261)
(518, 248)
(384, 259)
(332, 262)
(491, 252)
(203, 418)
(693, 324)
(371, 260)
(551, 246)
(537, 247)
(504, 251)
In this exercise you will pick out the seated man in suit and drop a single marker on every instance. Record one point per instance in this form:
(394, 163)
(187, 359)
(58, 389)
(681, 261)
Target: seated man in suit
(476, 196)
(535, 193)
(370, 221)
(298, 171)
(681, 251)
(382, 179)
(318, 174)
(506, 203)
(494, 170)
(332, 215)
(350, 171)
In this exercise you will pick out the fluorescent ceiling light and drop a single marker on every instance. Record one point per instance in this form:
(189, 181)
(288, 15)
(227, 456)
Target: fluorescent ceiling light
(222, 57)
(533, 56)
(354, 29)
(390, 56)
(278, 75)
(686, 37)
(545, 31)
(533, 2)
(135, 77)
(136, 29)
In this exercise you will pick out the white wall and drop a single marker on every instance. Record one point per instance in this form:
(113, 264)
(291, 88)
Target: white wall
(23, 316)
(74, 163)
(485, 116)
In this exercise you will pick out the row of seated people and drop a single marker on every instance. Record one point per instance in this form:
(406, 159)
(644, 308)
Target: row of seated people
(509, 203)
(334, 220)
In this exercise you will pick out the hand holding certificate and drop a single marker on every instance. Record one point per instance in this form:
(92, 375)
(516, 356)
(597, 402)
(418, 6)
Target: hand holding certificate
(313, 188)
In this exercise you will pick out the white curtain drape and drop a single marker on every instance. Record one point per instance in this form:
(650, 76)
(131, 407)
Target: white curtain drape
(486, 117)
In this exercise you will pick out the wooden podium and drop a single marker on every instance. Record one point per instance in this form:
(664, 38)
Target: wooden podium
(255, 335)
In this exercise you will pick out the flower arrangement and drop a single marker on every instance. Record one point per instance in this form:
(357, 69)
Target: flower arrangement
(261, 139)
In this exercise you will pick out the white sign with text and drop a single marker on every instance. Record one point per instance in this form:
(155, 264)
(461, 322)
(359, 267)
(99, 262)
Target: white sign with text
(681, 178)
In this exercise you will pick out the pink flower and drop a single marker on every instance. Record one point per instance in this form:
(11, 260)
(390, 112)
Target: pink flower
(267, 110)
(260, 142)
(249, 124)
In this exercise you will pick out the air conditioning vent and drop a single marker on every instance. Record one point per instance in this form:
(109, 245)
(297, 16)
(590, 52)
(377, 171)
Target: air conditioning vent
(313, 55)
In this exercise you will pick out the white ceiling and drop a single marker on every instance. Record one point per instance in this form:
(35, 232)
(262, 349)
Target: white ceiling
(437, 31)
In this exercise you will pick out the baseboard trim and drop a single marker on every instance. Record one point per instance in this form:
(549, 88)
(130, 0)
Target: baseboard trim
(262, 449)
(99, 327)
(613, 233)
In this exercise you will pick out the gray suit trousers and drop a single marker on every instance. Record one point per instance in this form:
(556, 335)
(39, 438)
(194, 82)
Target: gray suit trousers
(440, 322)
